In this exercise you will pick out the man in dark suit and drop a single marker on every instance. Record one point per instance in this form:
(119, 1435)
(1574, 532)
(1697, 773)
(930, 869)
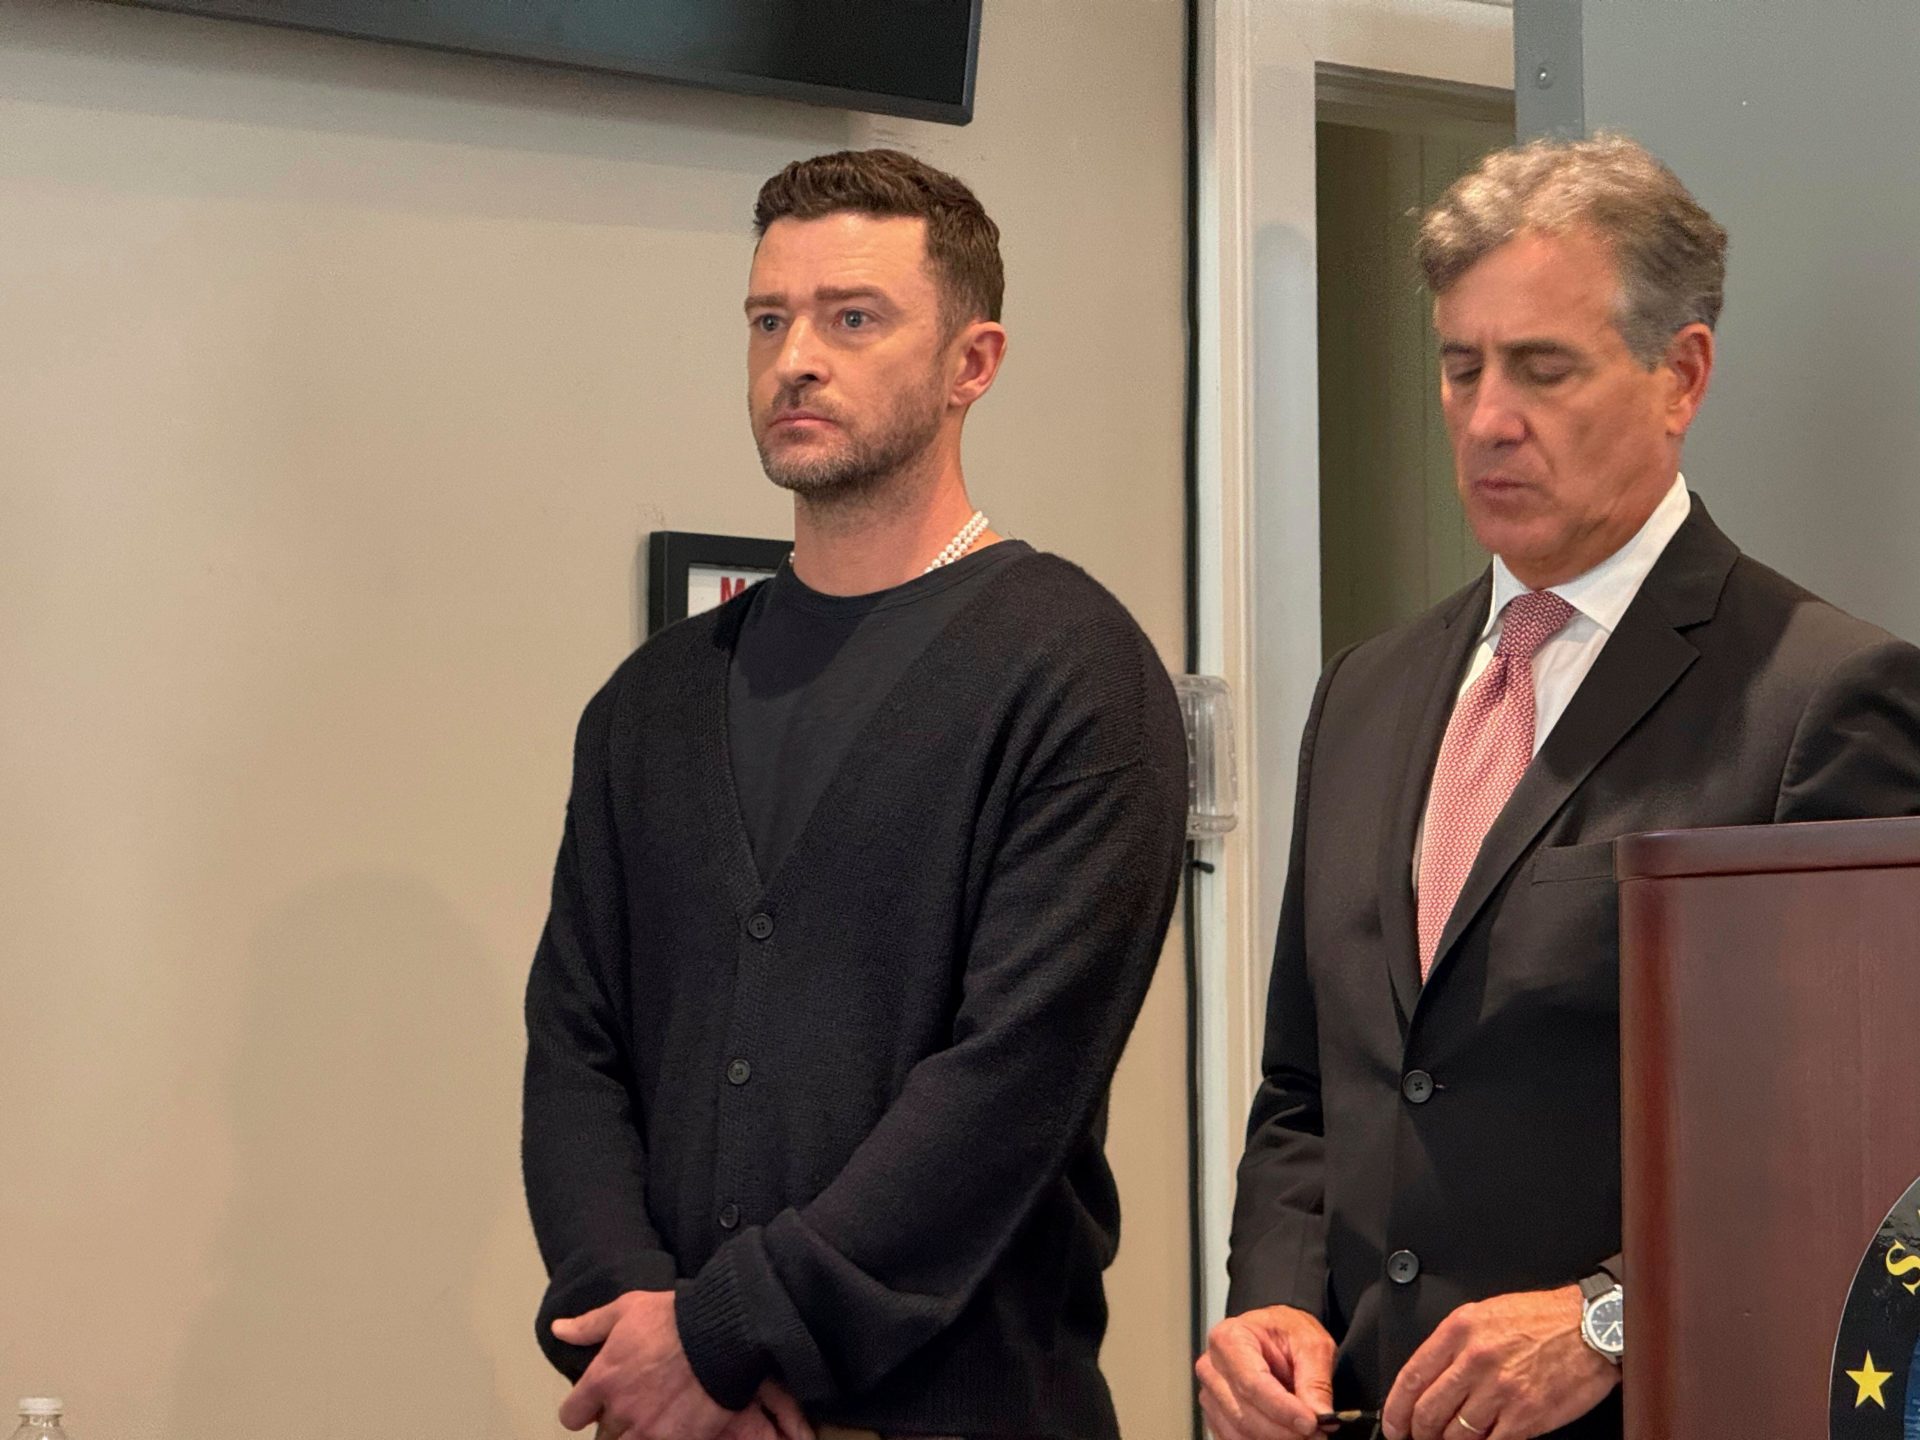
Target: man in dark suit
(1428, 1217)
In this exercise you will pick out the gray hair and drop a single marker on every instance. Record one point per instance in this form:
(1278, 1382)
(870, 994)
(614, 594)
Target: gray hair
(1671, 254)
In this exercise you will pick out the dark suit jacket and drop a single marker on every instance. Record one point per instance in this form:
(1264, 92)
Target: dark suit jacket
(1726, 696)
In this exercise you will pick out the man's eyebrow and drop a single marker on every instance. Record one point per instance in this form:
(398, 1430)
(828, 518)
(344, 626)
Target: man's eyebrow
(828, 295)
(833, 294)
(1518, 350)
(1533, 349)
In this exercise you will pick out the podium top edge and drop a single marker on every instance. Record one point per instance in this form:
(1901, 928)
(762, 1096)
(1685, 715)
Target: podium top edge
(1765, 849)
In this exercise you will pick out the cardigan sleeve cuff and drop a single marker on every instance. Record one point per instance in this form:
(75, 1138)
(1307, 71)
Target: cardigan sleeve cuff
(711, 1313)
(578, 1286)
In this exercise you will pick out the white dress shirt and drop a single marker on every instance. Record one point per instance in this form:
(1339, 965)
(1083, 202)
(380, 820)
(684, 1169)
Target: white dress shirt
(1599, 598)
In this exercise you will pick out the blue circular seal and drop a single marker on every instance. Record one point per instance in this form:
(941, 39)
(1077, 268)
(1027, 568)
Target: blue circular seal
(1876, 1360)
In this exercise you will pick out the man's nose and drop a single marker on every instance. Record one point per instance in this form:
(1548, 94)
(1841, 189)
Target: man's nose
(1496, 417)
(802, 358)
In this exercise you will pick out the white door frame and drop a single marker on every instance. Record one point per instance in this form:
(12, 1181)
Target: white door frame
(1258, 552)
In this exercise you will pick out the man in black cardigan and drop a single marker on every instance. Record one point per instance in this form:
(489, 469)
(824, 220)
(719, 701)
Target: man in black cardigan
(863, 881)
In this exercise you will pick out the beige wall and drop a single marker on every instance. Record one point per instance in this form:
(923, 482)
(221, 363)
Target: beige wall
(338, 388)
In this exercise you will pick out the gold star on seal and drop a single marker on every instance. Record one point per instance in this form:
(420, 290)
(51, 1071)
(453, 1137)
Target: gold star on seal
(1871, 1383)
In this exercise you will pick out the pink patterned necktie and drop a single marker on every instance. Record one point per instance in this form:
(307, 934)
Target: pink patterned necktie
(1488, 746)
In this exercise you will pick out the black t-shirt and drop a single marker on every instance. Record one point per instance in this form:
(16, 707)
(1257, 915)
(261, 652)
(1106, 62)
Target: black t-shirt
(810, 670)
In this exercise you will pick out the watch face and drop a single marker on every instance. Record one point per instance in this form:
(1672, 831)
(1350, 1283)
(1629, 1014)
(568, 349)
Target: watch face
(1604, 1324)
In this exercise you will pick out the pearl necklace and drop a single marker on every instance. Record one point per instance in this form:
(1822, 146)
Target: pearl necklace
(960, 544)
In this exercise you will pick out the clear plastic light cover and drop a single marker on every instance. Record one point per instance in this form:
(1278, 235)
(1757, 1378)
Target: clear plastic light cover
(1213, 779)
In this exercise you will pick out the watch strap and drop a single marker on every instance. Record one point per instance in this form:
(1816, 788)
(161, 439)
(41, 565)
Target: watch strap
(1596, 1285)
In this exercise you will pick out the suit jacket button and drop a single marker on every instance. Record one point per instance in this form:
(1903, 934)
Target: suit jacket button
(1403, 1267)
(760, 926)
(1417, 1086)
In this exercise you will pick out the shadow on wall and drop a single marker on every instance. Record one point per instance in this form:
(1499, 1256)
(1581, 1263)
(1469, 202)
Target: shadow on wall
(374, 1112)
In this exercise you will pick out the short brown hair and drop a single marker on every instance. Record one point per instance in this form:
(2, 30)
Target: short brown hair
(1671, 254)
(963, 243)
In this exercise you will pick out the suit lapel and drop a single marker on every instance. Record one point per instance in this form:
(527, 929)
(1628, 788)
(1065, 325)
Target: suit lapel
(1642, 660)
(1426, 704)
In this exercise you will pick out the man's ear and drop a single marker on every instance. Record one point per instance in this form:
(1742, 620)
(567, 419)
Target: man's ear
(979, 348)
(1688, 364)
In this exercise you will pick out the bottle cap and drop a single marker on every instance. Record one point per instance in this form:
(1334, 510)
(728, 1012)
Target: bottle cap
(39, 1407)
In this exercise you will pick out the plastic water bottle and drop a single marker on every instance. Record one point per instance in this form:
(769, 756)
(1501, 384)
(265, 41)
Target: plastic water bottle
(40, 1419)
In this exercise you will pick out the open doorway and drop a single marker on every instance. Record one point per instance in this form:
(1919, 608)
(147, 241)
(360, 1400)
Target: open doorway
(1266, 73)
(1392, 537)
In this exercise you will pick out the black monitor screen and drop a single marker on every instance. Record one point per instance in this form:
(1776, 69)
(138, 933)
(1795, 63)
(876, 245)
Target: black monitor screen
(899, 57)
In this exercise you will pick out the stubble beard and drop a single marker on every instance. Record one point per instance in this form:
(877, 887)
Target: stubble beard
(860, 466)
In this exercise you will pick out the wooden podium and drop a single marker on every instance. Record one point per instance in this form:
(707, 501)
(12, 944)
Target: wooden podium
(1770, 1025)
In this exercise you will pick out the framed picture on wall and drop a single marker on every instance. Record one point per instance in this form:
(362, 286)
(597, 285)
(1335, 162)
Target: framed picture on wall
(689, 573)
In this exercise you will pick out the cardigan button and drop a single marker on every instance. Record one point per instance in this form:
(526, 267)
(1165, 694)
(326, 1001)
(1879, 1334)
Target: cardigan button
(739, 1072)
(1403, 1267)
(760, 926)
(729, 1217)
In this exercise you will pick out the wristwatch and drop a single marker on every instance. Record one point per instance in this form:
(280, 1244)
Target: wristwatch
(1601, 1316)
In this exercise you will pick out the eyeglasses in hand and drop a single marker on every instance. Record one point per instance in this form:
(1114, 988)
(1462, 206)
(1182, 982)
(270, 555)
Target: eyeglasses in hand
(1356, 1424)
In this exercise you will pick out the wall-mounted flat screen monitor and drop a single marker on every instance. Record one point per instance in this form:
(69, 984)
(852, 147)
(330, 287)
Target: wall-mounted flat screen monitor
(897, 57)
